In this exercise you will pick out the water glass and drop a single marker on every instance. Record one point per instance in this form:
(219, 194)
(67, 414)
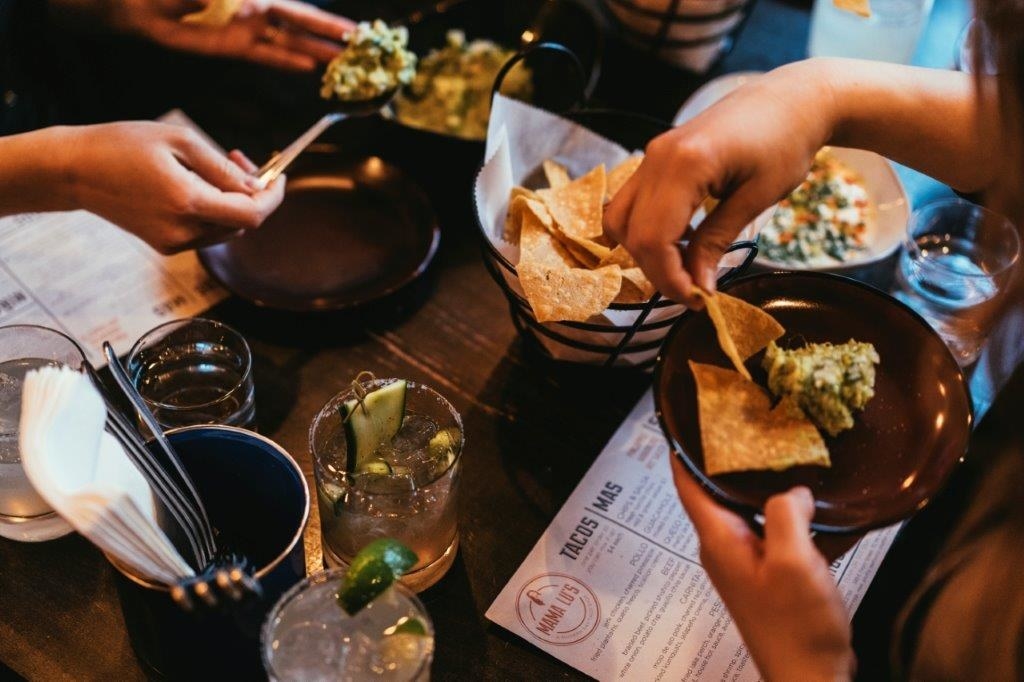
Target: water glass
(415, 502)
(24, 515)
(958, 260)
(308, 636)
(195, 371)
(890, 34)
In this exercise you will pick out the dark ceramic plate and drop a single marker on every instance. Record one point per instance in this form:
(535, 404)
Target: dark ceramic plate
(902, 447)
(349, 232)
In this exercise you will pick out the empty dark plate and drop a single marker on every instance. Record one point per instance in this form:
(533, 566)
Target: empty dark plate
(902, 447)
(349, 231)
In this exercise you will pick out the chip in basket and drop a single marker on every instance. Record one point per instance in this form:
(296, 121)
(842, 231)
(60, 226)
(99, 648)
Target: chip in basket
(568, 268)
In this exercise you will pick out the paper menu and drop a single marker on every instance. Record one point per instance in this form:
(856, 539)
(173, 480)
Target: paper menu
(614, 587)
(79, 274)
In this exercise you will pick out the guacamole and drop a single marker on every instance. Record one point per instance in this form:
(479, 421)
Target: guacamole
(451, 93)
(829, 382)
(374, 61)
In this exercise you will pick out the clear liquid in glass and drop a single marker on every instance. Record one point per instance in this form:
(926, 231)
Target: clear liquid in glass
(197, 383)
(941, 279)
(890, 34)
(415, 505)
(17, 496)
(309, 637)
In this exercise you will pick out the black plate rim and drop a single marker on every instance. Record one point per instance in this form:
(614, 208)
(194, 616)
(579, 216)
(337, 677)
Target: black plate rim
(752, 512)
(338, 303)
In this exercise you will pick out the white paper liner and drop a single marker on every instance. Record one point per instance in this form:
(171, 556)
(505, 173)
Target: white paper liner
(519, 139)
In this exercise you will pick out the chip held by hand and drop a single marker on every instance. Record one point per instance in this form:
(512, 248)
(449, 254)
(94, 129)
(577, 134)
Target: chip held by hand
(216, 14)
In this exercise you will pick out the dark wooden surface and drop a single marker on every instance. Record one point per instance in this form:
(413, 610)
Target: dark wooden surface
(532, 429)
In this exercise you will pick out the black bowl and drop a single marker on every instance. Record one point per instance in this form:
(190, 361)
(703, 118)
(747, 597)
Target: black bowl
(444, 164)
(903, 446)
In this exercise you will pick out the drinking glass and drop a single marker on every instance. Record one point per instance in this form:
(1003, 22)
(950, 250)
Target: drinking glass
(195, 371)
(308, 636)
(24, 515)
(958, 260)
(890, 34)
(414, 503)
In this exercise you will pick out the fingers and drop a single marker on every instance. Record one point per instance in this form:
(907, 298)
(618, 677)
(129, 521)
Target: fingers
(200, 157)
(275, 56)
(719, 529)
(719, 229)
(648, 222)
(311, 19)
(317, 48)
(787, 525)
(233, 210)
(242, 161)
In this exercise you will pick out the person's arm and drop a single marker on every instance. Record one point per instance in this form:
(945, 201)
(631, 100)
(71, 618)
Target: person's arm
(162, 182)
(755, 145)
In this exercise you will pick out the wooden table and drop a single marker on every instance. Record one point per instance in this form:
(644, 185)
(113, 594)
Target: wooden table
(532, 429)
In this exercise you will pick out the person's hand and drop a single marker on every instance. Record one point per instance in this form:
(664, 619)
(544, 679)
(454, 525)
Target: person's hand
(777, 589)
(749, 150)
(285, 34)
(162, 182)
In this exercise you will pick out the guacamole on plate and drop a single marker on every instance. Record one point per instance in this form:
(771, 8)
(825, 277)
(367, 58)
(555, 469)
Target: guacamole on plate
(451, 93)
(828, 381)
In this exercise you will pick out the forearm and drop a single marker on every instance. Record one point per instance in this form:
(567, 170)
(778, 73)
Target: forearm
(938, 122)
(33, 172)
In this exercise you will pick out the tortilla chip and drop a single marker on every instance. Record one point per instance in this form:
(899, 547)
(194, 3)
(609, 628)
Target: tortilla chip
(860, 7)
(742, 329)
(216, 14)
(537, 246)
(636, 288)
(557, 294)
(520, 199)
(618, 176)
(740, 431)
(556, 173)
(619, 256)
(578, 206)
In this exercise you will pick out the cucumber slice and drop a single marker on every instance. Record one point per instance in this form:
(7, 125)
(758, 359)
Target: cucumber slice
(372, 423)
(376, 466)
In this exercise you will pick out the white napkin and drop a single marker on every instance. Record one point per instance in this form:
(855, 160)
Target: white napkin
(84, 474)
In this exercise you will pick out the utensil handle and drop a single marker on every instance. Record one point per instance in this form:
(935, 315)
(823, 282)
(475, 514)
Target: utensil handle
(277, 165)
(139, 403)
(548, 46)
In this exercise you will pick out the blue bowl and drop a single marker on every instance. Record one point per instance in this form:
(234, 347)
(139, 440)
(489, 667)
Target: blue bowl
(258, 501)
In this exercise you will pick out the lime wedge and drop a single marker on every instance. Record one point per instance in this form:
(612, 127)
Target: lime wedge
(372, 571)
(409, 626)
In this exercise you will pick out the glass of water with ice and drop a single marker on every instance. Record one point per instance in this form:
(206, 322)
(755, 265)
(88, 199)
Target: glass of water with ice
(24, 515)
(412, 493)
(890, 34)
(958, 260)
(308, 637)
(195, 371)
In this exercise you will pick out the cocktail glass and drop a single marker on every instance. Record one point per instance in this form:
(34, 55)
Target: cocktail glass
(416, 504)
(308, 636)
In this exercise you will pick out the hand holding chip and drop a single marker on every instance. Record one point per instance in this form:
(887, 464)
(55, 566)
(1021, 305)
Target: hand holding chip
(748, 150)
(777, 588)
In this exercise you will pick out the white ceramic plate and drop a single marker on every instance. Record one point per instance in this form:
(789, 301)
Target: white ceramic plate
(883, 185)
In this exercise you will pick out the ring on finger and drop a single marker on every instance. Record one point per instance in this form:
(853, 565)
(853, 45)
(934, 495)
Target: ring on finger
(271, 33)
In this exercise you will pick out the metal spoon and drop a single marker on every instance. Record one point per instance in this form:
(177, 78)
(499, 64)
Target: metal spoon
(355, 108)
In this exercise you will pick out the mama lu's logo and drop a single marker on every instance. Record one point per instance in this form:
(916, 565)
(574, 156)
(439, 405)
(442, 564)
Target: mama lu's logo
(558, 609)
